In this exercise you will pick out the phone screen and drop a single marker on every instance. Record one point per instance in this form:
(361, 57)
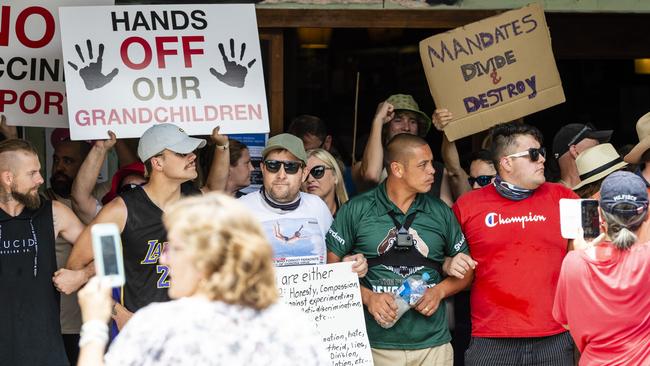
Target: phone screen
(109, 255)
(590, 218)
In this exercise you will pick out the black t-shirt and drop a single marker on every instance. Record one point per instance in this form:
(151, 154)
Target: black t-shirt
(143, 239)
(30, 331)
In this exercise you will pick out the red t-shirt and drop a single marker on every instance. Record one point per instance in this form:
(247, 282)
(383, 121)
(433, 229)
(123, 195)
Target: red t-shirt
(606, 304)
(519, 251)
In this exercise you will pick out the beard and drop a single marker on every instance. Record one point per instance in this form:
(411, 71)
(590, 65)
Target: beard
(61, 184)
(30, 200)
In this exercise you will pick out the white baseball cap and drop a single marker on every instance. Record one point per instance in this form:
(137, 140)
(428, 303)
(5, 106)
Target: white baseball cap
(166, 136)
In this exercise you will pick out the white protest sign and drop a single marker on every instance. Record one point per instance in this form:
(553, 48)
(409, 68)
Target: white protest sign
(330, 295)
(32, 85)
(129, 67)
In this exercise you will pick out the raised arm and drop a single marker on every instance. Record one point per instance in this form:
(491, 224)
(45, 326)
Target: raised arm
(9, 132)
(368, 171)
(218, 173)
(84, 203)
(455, 172)
(82, 251)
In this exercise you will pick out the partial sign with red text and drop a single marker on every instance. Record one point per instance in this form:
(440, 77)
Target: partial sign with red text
(32, 85)
(129, 67)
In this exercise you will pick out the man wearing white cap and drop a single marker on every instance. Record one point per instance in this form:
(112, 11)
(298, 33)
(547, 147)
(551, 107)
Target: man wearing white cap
(169, 159)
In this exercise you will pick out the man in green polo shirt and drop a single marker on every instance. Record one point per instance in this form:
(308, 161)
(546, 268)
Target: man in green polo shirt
(371, 224)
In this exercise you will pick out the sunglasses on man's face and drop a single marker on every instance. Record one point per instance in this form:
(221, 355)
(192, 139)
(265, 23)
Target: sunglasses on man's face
(482, 180)
(533, 153)
(290, 167)
(318, 171)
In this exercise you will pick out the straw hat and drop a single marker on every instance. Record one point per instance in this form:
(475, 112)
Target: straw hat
(643, 131)
(596, 163)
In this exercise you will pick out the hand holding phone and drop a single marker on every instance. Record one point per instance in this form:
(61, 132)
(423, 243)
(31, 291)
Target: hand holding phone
(107, 248)
(579, 213)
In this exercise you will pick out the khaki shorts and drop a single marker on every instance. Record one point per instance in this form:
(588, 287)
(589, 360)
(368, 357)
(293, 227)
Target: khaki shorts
(442, 355)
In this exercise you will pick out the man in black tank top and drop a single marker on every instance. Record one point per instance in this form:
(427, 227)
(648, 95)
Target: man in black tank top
(30, 331)
(169, 158)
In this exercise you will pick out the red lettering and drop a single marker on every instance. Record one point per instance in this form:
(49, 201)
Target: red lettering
(124, 53)
(53, 99)
(4, 25)
(49, 27)
(187, 51)
(7, 97)
(161, 51)
(23, 104)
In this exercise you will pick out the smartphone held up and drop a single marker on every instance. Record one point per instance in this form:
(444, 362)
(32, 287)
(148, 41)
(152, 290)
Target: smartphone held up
(107, 248)
(579, 213)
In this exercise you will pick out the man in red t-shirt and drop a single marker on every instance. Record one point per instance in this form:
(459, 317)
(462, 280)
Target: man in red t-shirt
(513, 230)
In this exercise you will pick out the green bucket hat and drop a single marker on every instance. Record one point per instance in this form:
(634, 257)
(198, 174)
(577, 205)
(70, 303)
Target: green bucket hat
(406, 102)
(289, 142)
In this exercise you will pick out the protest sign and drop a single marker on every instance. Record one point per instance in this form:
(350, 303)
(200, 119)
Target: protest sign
(492, 71)
(32, 85)
(330, 295)
(130, 67)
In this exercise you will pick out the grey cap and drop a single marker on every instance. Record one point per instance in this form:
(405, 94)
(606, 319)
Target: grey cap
(624, 187)
(166, 136)
(289, 142)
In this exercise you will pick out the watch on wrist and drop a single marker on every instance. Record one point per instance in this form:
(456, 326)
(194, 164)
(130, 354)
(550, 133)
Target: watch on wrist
(222, 147)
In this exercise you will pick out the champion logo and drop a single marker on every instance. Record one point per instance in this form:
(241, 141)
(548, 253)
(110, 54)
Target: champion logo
(493, 219)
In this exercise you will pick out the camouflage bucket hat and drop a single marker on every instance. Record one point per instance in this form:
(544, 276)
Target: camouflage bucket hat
(406, 102)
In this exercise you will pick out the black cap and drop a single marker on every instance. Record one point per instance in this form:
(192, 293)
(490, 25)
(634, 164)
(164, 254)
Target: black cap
(573, 133)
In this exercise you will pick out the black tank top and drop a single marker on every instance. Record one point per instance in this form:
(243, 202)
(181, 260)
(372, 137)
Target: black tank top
(30, 332)
(143, 239)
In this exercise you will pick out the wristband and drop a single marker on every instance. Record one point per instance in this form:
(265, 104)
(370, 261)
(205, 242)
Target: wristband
(222, 147)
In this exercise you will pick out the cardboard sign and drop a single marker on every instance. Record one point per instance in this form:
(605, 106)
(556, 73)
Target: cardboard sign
(32, 85)
(492, 71)
(130, 67)
(330, 295)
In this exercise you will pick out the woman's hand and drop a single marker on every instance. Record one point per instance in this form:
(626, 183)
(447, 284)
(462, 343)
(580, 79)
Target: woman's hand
(95, 300)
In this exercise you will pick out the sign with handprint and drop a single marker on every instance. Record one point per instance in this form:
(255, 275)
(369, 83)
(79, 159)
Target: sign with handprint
(32, 85)
(129, 67)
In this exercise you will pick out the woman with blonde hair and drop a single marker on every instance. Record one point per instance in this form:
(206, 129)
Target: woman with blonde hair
(325, 179)
(225, 309)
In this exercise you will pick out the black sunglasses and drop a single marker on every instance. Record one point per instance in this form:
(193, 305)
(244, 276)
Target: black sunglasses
(318, 171)
(533, 153)
(290, 167)
(482, 180)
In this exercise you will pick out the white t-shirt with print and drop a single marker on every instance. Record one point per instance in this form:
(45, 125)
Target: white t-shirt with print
(297, 236)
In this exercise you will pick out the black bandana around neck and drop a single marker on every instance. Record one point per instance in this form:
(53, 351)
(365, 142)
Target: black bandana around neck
(280, 206)
(511, 191)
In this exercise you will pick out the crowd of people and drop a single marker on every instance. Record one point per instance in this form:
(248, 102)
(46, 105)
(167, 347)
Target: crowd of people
(199, 253)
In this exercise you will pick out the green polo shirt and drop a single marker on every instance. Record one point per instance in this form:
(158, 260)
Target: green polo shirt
(363, 225)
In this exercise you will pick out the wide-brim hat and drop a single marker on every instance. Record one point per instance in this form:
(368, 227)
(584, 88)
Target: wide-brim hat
(643, 132)
(596, 163)
(405, 102)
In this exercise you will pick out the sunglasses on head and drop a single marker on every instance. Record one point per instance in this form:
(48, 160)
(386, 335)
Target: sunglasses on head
(482, 180)
(533, 153)
(290, 167)
(318, 171)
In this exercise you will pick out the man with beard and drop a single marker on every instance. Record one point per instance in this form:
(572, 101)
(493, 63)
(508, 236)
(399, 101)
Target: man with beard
(30, 331)
(169, 159)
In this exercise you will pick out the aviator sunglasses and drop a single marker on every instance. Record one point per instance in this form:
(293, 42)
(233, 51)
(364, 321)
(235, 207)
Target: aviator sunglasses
(318, 171)
(290, 167)
(533, 153)
(482, 180)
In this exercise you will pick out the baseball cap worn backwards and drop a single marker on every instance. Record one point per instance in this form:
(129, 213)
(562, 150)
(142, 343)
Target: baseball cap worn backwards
(624, 193)
(166, 136)
(289, 142)
(405, 102)
(573, 133)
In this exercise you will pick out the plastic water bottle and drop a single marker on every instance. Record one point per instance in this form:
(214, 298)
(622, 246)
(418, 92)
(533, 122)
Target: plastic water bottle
(407, 295)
